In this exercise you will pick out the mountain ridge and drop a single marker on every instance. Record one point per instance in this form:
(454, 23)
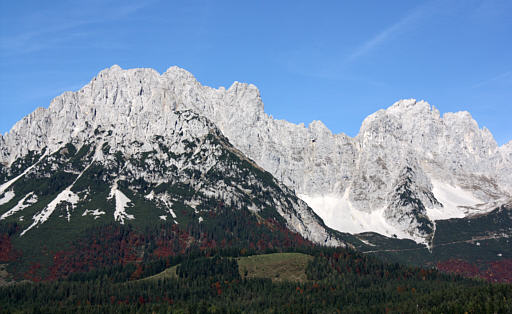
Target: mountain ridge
(358, 172)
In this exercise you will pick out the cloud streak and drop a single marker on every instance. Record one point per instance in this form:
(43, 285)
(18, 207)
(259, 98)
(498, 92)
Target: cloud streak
(413, 17)
(64, 30)
(497, 78)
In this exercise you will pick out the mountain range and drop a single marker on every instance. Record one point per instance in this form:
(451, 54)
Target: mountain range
(139, 147)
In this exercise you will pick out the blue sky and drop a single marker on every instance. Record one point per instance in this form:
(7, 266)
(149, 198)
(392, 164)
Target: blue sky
(335, 61)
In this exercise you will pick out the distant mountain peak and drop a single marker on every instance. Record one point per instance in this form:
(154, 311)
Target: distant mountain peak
(404, 104)
(178, 73)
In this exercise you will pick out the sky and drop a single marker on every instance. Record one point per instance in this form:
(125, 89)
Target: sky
(334, 61)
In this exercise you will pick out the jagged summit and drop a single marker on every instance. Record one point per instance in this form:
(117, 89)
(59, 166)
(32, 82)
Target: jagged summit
(342, 178)
(141, 129)
(405, 105)
(115, 67)
(178, 73)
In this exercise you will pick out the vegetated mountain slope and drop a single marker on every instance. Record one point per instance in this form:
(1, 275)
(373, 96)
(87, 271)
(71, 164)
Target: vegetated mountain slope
(474, 246)
(279, 267)
(326, 280)
(180, 172)
(451, 167)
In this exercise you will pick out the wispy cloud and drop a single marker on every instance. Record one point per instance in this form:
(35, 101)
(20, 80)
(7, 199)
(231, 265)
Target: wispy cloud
(412, 17)
(47, 31)
(38, 40)
(325, 62)
(498, 78)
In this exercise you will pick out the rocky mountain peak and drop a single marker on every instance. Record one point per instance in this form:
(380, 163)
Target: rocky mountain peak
(175, 73)
(113, 68)
(408, 106)
(154, 129)
(507, 148)
(318, 128)
(358, 173)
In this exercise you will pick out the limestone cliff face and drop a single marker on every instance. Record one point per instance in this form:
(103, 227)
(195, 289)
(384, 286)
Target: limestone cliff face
(362, 174)
(131, 125)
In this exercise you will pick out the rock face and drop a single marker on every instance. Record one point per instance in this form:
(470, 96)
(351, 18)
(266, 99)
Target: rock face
(407, 167)
(108, 151)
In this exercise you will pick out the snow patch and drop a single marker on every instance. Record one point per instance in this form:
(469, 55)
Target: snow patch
(163, 217)
(150, 196)
(192, 203)
(7, 184)
(65, 196)
(166, 199)
(339, 214)
(122, 202)
(366, 242)
(253, 208)
(457, 202)
(96, 213)
(201, 219)
(8, 196)
(25, 202)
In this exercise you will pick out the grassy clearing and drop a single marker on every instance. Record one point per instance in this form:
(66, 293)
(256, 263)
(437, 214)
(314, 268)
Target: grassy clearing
(277, 266)
(168, 273)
